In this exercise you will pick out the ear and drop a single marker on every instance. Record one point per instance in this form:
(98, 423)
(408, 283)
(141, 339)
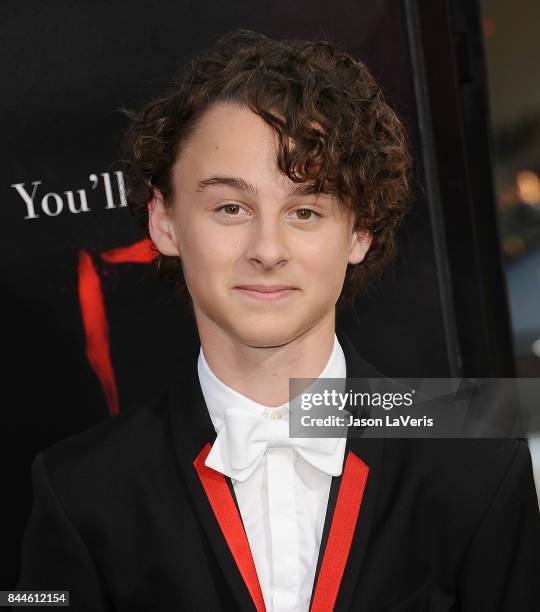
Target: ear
(160, 226)
(360, 243)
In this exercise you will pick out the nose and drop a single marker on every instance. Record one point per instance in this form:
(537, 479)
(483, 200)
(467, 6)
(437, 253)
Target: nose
(267, 246)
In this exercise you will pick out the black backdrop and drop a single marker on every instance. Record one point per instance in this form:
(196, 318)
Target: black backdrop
(68, 68)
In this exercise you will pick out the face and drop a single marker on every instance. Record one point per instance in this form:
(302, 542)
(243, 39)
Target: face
(263, 258)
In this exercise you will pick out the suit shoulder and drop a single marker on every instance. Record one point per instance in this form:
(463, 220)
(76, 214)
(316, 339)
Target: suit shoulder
(473, 468)
(111, 445)
(457, 480)
(468, 458)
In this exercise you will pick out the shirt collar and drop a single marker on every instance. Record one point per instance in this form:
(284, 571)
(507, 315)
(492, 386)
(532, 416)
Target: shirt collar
(219, 396)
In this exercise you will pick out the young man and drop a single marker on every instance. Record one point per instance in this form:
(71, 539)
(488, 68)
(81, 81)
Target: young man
(271, 179)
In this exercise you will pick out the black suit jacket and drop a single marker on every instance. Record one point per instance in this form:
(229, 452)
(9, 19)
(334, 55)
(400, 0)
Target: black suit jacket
(123, 519)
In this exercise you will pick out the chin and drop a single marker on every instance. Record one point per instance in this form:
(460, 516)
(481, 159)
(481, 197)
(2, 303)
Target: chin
(265, 334)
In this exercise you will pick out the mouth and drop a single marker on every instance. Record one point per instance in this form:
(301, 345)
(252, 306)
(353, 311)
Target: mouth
(266, 293)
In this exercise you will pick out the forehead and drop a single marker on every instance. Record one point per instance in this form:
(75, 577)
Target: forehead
(229, 136)
(232, 119)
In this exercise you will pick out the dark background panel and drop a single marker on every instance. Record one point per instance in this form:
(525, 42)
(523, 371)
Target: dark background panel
(456, 81)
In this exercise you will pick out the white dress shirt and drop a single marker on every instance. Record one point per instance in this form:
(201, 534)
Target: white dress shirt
(283, 501)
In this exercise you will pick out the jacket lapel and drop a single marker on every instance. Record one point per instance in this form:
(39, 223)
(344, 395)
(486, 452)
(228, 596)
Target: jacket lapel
(211, 493)
(226, 512)
(351, 508)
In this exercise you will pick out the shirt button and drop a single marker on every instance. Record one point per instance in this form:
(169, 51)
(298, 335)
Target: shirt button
(275, 415)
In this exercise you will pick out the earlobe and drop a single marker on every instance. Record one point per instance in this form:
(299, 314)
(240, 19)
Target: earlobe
(160, 226)
(360, 245)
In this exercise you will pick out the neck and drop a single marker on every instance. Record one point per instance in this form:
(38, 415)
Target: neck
(262, 373)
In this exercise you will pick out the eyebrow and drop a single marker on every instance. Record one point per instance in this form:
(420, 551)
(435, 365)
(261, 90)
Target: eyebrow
(240, 184)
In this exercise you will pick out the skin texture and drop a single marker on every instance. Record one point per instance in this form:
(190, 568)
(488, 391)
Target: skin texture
(227, 236)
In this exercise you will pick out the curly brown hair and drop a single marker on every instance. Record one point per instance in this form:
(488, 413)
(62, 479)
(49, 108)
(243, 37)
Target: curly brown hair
(346, 139)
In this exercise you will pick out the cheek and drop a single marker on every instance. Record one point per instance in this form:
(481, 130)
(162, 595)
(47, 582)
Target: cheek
(326, 258)
(333, 274)
(207, 255)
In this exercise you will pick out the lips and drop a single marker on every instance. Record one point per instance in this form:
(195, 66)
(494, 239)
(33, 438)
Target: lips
(265, 288)
(266, 293)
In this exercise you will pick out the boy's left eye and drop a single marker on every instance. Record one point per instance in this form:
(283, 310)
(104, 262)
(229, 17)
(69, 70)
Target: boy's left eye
(305, 211)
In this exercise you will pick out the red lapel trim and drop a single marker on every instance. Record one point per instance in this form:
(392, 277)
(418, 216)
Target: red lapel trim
(336, 553)
(229, 520)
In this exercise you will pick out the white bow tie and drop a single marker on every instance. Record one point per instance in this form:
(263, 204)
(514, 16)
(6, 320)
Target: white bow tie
(244, 438)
